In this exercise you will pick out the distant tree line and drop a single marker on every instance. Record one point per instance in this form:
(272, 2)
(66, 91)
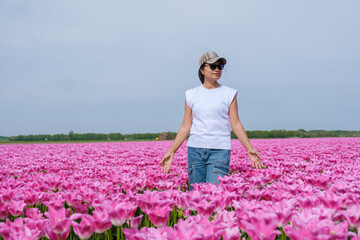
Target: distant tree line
(2, 138)
(301, 133)
(88, 137)
(71, 136)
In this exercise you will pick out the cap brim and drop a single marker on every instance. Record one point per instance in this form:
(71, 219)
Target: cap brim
(213, 60)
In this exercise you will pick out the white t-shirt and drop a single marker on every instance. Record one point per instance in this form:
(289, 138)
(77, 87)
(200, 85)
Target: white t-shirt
(210, 110)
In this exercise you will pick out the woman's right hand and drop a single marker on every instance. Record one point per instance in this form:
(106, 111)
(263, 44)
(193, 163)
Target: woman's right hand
(166, 162)
(255, 159)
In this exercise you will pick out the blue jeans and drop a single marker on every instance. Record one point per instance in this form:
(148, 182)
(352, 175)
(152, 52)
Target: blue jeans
(205, 165)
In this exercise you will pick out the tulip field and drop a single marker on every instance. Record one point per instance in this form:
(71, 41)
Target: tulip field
(310, 189)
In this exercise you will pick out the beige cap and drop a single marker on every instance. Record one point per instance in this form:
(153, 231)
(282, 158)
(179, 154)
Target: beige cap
(210, 57)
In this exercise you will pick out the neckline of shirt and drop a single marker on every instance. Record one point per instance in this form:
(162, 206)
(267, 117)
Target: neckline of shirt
(202, 86)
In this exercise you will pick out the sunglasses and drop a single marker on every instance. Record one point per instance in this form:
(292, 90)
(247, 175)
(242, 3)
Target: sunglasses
(213, 66)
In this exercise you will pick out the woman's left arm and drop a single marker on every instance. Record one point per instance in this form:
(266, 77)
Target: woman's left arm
(240, 133)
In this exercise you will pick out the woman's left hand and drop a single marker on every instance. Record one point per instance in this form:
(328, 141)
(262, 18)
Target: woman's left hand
(255, 159)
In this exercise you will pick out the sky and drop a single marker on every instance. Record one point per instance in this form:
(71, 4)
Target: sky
(124, 66)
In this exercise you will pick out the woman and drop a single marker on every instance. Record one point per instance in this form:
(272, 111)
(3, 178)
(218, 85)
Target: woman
(208, 110)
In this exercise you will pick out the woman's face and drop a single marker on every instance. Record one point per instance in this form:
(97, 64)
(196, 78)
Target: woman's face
(212, 75)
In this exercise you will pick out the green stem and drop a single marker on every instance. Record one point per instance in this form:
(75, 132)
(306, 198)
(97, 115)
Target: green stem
(118, 233)
(174, 216)
(146, 221)
(283, 235)
(106, 235)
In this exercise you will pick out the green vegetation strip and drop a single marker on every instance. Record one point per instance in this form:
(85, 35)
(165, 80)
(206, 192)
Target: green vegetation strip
(99, 137)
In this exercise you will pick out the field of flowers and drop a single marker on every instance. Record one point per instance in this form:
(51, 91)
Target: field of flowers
(309, 190)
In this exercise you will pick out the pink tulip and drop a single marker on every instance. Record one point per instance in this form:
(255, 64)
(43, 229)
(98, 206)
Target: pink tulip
(16, 208)
(231, 233)
(321, 181)
(118, 216)
(315, 229)
(352, 216)
(120, 209)
(227, 198)
(159, 215)
(5, 228)
(339, 231)
(4, 210)
(308, 202)
(339, 186)
(231, 184)
(254, 194)
(197, 227)
(149, 199)
(182, 200)
(34, 214)
(135, 222)
(242, 211)
(59, 220)
(321, 213)
(99, 198)
(205, 208)
(31, 198)
(85, 228)
(307, 224)
(53, 182)
(161, 233)
(185, 232)
(161, 186)
(54, 201)
(7, 195)
(68, 186)
(101, 220)
(35, 219)
(80, 207)
(72, 198)
(18, 230)
(331, 200)
(226, 216)
(284, 211)
(262, 225)
(135, 234)
(88, 194)
(54, 236)
(170, 233)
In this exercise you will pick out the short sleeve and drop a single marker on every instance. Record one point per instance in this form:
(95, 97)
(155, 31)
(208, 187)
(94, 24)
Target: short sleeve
(189, 96)
(232, 93)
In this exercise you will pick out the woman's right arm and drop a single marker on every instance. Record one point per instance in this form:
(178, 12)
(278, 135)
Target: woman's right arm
(181, 135)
